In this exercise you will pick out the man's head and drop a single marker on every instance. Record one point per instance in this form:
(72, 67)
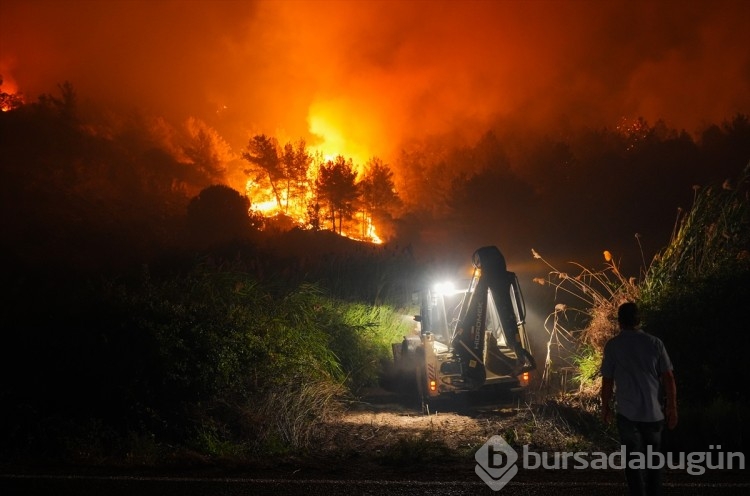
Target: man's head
(628, 316)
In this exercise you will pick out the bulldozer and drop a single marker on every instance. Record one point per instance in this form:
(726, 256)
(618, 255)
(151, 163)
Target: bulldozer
(470, 339)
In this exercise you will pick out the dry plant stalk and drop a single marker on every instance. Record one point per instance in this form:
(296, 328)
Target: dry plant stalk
(294, 413)
(599, 294)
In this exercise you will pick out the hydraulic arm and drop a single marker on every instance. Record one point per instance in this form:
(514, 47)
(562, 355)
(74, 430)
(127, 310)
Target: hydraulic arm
(492, 286)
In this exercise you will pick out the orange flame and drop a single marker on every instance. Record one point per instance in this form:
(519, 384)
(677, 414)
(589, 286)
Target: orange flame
(264, 202)
(328, 121)
(331, 123)
(11, 98)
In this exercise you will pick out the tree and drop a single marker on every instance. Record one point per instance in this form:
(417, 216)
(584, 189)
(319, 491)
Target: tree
(313, 215)
(336, 187)
(262, 153)
(66, 105)
(425, 178)
(378, 192)
(295, 162)
(207, 150)
(219, 214)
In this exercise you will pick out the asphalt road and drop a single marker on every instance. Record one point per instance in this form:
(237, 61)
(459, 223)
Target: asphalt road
(85, 485)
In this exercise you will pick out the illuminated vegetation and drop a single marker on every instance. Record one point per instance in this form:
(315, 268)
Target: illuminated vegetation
(211, 355)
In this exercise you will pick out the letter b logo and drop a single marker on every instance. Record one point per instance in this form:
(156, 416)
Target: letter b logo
(496, 462)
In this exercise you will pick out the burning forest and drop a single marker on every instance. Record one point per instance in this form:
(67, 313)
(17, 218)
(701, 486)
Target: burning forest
(216, 215)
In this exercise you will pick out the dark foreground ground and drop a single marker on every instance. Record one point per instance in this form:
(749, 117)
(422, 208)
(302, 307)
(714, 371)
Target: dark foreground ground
(351, 479)
(383, 445)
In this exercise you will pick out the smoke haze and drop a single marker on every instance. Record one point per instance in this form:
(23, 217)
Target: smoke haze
(364, 77)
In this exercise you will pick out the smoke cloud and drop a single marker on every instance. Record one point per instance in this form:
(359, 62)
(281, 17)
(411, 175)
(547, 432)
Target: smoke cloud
(364, 77)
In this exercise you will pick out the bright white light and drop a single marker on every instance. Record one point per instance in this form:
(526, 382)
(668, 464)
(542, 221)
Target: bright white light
(444, 288)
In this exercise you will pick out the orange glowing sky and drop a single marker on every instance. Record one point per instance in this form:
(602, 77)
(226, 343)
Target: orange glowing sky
(369, 75)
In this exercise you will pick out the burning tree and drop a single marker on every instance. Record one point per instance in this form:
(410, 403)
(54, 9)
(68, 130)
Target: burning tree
(336, 186)
(295, 163)
(262, 153)
(293, 186)
(378, 193)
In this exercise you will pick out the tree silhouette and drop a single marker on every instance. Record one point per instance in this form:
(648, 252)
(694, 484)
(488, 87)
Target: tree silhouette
(262, 153)
(295, 162)
(336, 187)
(378, 191)
(66, 105)
(219, 214)
(207, 150)
(425, 178)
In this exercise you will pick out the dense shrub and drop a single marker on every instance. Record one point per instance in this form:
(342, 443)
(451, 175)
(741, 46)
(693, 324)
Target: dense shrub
(696, 292)
(210, 359)
(694, 297)
(704, 327)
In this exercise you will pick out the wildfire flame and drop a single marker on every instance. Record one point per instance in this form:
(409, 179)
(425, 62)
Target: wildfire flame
(265, 203)
(328, 123)
(331, 139)
(10, 97)
(331, 123)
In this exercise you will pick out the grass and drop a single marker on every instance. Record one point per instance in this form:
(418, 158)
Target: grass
(588, 361)
(290, 416)
(712, 238)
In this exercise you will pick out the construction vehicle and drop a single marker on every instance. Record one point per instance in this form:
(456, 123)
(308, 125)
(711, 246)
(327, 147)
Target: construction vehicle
(470, 339)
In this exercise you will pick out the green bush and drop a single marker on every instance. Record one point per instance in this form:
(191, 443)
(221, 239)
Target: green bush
(210, 359)
(587, 361)
(361, 337)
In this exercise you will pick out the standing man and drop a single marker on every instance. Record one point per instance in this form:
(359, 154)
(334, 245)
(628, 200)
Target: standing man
(638, 366)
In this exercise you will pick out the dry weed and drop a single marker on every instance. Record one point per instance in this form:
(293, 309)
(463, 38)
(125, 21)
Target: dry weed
(594, 295)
